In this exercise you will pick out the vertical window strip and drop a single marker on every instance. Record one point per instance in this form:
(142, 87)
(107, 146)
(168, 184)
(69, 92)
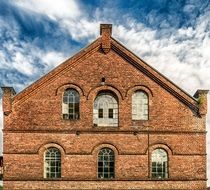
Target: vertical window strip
(106, 163)
(71, 104)
(159, 164)
(52, 162)
(140, 106)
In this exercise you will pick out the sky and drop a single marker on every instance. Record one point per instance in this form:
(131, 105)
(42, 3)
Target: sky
(173, 36)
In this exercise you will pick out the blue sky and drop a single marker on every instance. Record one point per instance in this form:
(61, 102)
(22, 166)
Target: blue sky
(173, 36)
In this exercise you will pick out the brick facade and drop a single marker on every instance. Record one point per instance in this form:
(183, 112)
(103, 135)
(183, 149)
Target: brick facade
(33, 122)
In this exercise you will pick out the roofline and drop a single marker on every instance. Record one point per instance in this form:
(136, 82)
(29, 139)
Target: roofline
(190, 96)
(55, 71)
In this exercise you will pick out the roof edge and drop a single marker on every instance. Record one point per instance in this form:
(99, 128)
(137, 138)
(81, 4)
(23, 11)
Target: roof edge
(182, 95)
(55, 71)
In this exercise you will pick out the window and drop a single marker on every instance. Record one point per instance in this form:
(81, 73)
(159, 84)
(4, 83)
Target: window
(106, 163)
(140, 106)
(71, 104)
(52, 163)
(105, 110)
(159, 164)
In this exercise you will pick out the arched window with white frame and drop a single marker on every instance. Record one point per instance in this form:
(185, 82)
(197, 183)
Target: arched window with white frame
(70, 106)
(52, 163)
(159, 164)
(105, 110)
(106, 163)
(140, 106)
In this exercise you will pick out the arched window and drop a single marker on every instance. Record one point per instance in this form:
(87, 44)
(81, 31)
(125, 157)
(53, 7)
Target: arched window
(70, 104)
(105, 110)
(159, 164)
(106, 163)
(140, 106)
(52, 163)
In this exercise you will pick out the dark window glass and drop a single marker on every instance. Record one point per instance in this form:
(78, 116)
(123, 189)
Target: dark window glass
(111, 113)
(106, 163)
(52, 163)
(71, 104)
(100, 113)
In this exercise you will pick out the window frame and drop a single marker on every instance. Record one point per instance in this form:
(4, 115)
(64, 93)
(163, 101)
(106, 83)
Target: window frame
(111, 164)
(166, 167)
(48, 174)
(71, 108)
(99, 107)
(134, 114)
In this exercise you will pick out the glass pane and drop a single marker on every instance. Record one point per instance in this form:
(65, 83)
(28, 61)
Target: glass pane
(106, 101)
(71, 106)
(52, 163)
(110, 113)
(105, 164)
(159, 163)
(100, 113)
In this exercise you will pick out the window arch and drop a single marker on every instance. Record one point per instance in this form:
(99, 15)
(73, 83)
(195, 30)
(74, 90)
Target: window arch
(106, 162)
(140, 106)
(105, 110)
(52, 163)
(159, 163)
(70, 107)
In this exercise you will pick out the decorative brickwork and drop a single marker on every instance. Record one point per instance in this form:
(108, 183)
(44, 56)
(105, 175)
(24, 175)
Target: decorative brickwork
(33, 122)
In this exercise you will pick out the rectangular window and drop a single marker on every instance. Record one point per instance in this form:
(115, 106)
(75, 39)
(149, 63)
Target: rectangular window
(100, 113)
(111, 113)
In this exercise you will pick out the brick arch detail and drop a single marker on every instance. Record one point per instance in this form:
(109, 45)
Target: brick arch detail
(98, 147)
(165, 147)
(133, 89)
(60, 90)
(44, 147)
(94, 91)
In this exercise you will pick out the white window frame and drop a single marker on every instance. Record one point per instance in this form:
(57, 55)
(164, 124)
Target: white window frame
(159, 164)
(140, 106)
(107, 103)
(52, 163)
(71, 104)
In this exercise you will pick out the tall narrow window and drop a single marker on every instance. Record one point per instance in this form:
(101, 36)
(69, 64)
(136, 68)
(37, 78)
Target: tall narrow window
(159, 164)
(52, 163)
(71, 104)
(106, 163)
(105, 110)
(140, 106)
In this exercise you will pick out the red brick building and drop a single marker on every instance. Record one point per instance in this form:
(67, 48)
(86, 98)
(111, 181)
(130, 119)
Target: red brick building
(104, 119)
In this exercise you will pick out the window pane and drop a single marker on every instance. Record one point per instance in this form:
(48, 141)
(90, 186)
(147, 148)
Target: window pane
(139, 106)
(105, 164)
(52, 163)
(105, 110)
(110, 113)
(159, 164)
(100, 113)
(70, 105)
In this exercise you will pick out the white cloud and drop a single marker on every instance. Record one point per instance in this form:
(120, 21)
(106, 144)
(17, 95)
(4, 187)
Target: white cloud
(56, 9)
(52, 58)
(67, 14)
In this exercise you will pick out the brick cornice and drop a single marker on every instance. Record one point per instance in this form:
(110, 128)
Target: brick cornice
(101, 131)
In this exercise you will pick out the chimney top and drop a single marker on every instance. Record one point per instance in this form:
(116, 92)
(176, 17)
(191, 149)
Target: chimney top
(106, 32)
(106, 28)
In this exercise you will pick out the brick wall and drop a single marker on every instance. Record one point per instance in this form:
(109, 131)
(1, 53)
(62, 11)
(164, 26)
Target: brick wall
(35, 123)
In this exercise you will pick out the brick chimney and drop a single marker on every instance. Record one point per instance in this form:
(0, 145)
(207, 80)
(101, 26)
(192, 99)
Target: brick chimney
(201, 96)
(106, 32)
(8, 93)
